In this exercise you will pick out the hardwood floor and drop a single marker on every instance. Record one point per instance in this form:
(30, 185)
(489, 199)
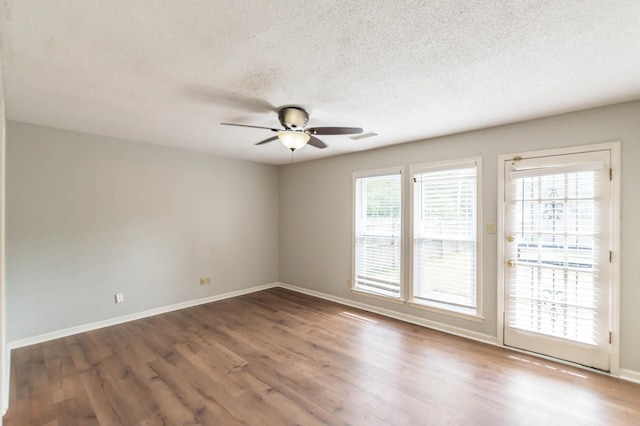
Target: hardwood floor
(277, 357)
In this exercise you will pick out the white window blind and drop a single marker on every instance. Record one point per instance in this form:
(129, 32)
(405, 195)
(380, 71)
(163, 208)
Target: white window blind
(553, 286)
(378, 231)
(445, 237)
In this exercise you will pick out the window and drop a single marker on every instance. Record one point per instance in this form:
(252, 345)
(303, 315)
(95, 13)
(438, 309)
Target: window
(445, 243)
(444, 236)
(378, 232)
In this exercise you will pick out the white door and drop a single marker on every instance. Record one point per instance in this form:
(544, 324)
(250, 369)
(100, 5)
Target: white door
(557, 256)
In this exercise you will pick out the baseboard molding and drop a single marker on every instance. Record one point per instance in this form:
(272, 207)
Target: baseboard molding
(6, 383)
(630, 375)
(480, 337)
(183, 305)
(132, 317)
(625, 374)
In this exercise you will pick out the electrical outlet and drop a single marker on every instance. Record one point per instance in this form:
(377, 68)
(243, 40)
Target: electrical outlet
(348, 283)
(205, 280)
(119, 297)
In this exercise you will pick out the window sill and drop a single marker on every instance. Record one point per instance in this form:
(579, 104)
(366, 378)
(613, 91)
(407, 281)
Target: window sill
(378, 296)
(444, 311)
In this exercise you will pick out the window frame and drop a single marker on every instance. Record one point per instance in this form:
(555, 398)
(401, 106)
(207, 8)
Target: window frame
(442, 307)
(388, 171)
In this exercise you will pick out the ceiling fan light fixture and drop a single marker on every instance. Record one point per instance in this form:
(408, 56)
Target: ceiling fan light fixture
(293, 139)
(294, 134)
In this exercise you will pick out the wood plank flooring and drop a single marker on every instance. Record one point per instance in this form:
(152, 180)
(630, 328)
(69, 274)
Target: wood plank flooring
(277, 358)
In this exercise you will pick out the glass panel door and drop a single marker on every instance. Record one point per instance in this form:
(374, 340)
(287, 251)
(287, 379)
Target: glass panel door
(557, 242)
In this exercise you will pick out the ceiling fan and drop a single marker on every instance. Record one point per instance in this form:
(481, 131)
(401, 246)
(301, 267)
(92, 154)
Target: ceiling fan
(295, 135)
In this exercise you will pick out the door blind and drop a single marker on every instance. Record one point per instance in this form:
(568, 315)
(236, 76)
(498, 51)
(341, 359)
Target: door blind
(554, 252)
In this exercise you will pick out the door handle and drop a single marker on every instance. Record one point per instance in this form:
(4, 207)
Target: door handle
(511, 238)
(511, 263)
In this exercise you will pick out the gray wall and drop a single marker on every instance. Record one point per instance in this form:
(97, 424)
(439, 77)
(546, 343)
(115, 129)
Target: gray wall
(4, 355)
(316, 208)
(89, 216)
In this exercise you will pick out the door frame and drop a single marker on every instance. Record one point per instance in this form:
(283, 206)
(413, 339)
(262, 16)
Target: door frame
(614, 312)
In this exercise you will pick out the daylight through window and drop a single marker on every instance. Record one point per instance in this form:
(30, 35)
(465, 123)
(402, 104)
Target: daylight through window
(445, 225)
(378, 233)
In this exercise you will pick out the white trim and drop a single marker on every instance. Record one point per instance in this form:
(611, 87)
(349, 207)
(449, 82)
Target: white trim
(560, 361)
(360, 174)
(624, 374)
(630, 375)
(396, 170)
(6, 381)
(446, 311)
(455, 163)
(476, 162)
(616, 220)
(502, 159)
(479, 315)
(395, 300)
(157, 311)
(457, 331)
(615, 150)
(132, 317)
(603, 146)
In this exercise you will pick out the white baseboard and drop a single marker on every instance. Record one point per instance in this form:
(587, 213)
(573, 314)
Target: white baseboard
(6, 382)
(161, 310)
(480, 337)
(132, 317)
(625, 374)
(630, 375)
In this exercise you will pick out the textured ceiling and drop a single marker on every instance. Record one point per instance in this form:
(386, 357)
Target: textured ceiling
(168, 72)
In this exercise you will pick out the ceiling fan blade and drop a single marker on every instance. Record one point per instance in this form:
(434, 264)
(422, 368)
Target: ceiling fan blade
(313, 141)
(334, 130)
(267, 140)
(246, 125)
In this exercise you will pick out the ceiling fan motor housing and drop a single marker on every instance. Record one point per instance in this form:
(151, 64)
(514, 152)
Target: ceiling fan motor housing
(293, 117)
(294, 121)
